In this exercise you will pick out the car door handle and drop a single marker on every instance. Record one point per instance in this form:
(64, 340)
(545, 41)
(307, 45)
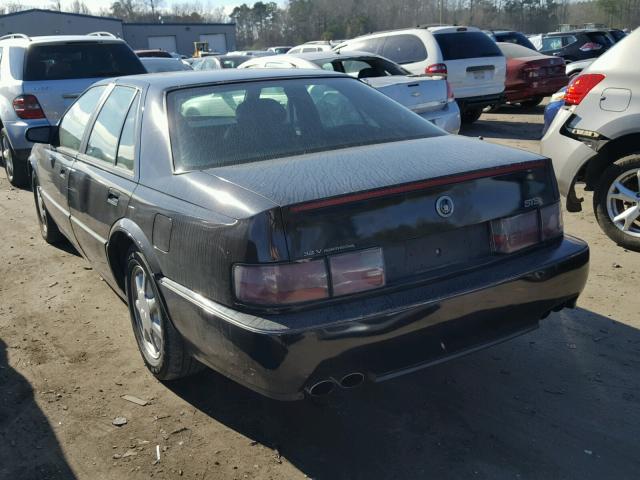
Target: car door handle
(113, 197)
(63, 172)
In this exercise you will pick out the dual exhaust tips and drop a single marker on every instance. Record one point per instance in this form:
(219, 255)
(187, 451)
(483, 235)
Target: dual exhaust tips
(325, 387)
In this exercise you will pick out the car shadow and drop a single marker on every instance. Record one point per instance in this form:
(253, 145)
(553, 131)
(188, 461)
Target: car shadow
(560, 402)
(503, 129)
(29, 449)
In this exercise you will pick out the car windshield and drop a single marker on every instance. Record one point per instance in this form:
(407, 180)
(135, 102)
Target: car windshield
(62, 61)
(220, 125)
(463, 45)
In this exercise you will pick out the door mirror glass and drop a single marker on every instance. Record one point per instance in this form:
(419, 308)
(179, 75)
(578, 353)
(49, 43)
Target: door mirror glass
(45, 134)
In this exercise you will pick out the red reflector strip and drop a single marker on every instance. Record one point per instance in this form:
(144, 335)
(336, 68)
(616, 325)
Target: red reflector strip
(412, 187)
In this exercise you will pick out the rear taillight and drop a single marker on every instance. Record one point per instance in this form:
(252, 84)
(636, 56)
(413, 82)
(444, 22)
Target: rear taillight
(436, 69)
(551, 222)
(590, 47)
(281, 284)
(511, 234)
(580, 86)
(450, 96)
(357, 271)
(284, 284)
(531, 72)
(27, 107)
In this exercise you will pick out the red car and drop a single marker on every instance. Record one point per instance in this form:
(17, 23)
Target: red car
(531, 76)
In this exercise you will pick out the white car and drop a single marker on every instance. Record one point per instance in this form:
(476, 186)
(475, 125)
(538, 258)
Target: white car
(318, 46)
(429, 97)
(595, 139)
(471, 61)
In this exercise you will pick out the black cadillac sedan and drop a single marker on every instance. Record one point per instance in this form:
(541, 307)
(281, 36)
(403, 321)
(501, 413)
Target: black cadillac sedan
(300, 232)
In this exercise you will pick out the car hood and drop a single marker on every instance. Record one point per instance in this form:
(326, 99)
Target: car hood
(307, 177)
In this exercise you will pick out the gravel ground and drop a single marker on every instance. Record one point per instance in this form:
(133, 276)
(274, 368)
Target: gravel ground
(561, 402)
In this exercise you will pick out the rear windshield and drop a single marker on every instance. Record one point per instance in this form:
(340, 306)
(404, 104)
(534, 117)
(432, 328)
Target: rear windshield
(80, 60)
(219, 125)
(462, 45)
(514, 37)
(511, 50)
(361, 67)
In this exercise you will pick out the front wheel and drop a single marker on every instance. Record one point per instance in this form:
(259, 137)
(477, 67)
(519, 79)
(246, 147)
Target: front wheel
(470, 115)
(163, 349)
(616, 202)
(16, 170)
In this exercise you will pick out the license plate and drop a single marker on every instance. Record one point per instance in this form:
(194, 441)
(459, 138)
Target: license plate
(478, 75)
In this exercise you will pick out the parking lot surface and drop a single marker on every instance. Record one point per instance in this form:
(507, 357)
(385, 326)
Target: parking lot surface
(561, 402)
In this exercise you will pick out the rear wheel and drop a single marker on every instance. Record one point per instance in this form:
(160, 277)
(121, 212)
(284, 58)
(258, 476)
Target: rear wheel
(616, 202)
(48, 228)
(163, 349)
(15, 169)
(470, 115)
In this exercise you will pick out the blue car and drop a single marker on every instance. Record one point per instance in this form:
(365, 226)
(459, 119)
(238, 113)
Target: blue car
(556, 102)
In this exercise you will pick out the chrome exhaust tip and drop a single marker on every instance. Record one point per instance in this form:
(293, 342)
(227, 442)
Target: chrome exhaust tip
(352, 380)
(322, 388)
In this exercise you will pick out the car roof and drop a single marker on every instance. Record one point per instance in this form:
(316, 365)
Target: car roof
(327, 54)
(169, 80)
(574, 32)
(453, 29)
(61, 39)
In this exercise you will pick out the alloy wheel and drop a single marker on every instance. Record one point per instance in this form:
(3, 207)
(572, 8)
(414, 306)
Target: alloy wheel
(148, 316)
(7, 156)
(42, 212)
(623, 202)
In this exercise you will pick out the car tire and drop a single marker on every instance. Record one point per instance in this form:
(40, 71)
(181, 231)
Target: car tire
(48, 227)
(162, 348)
(470, 115)
(617, 196)
(534, 102)
(16, 170)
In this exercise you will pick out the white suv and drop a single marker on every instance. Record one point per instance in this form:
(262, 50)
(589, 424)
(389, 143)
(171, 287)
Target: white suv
(595, 139)
(472, 62)
(41, 76)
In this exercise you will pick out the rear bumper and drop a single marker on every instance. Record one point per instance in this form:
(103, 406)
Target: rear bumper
(567, 154)
(448, 119)
(385, 336)
(16, 132)
(529, 91)
(480, 101)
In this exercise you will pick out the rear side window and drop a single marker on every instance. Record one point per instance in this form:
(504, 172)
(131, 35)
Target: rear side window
(62, 61)
(601, 38)
(463, 45)
(371, 45)
(404, 49)
(103, 142)
(76, 119)
(557, 42)
(126, 147)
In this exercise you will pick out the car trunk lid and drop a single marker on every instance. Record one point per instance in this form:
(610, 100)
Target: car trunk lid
(399, 199)
(418, 94)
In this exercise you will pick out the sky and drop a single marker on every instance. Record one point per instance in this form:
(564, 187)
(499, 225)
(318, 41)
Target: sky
(97, 5)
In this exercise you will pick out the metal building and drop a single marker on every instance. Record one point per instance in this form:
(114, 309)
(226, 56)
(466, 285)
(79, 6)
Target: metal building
(172, 37)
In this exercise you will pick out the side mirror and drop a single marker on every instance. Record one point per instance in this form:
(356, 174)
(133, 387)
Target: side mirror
(46, 134)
